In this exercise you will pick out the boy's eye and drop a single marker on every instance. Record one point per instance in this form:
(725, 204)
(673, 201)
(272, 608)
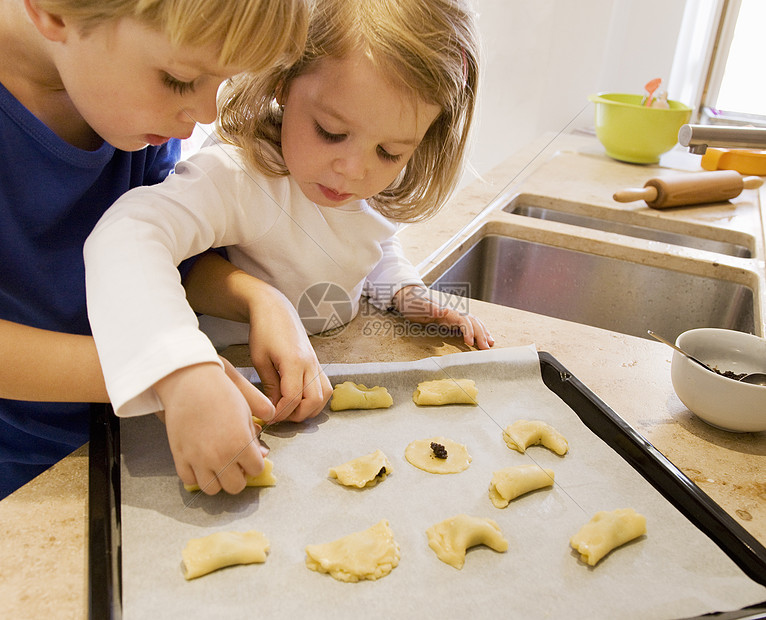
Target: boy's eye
(177, 85)
(384, 154)
(326, 135)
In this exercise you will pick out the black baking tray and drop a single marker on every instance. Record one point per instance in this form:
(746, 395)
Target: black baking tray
(104, 562)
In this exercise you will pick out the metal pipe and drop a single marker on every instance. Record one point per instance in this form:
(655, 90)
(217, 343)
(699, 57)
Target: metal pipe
(699, 137)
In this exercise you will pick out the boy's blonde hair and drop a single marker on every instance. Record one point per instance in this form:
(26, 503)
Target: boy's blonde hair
(255, 34)
(428, 47)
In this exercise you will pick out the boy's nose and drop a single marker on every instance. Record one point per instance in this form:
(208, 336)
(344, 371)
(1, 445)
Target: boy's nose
(203, 107)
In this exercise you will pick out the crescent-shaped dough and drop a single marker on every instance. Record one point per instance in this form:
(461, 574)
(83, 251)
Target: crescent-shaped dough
(350, 395)
(420, 454)
(363, 471)
(524, 433)
(204, 555)
(264, 479)
(446, 392)
(509, 483)
(607, 531)
(451, 538)
(369, 554)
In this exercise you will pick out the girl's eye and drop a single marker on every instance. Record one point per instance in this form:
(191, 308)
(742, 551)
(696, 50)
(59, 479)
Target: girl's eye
(326, 135)
(384, 154)
(176, 85)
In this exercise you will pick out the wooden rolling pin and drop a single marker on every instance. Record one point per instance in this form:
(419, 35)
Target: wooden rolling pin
(690, 189)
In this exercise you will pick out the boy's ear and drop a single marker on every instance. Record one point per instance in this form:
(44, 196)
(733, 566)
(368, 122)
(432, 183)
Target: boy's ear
(53, 27)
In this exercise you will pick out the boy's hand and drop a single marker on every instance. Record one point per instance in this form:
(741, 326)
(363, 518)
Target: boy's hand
(285, 361)
(417, 304)
(210, 429)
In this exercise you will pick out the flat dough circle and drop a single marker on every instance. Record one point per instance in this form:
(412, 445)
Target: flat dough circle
(420, 454)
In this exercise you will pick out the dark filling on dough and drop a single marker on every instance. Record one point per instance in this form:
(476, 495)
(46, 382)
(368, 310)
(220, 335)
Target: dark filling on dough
(440, 452)
(382, 472)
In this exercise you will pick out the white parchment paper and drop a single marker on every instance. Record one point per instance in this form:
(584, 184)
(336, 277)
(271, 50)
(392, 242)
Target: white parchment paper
(673, 571)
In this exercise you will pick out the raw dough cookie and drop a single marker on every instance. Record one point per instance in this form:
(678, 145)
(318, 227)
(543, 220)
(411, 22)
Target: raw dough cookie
(264, 479)
(363, 471)
(446, 392)
(509, 483)
(450, 538)
(370, 554)
(523, 433)
(607, 531)
(350, 395)
(204, 555)
(426, 454)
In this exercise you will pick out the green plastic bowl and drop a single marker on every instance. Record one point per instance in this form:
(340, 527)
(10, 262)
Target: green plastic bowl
(632, 132)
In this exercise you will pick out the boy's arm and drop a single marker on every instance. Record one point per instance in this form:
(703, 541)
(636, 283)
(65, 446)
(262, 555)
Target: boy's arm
(279, 347)
(42, 365)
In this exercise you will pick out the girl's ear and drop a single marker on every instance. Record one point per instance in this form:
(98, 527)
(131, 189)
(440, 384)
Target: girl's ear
(53, 27)
(280, 92)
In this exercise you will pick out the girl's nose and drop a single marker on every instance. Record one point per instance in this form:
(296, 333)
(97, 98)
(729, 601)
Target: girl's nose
(351, 165)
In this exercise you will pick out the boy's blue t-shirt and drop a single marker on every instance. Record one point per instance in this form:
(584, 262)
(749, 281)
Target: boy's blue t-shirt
(51, 196)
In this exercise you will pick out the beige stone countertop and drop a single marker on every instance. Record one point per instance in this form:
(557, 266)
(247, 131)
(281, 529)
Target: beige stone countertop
(43, 525)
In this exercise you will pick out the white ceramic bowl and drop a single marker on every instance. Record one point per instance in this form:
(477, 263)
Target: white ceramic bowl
(720, 401)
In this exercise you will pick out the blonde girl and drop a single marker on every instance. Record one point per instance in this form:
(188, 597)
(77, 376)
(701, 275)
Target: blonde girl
(320, 161)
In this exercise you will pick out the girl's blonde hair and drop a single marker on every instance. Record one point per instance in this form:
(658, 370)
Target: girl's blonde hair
(256, 34)
(428, 47)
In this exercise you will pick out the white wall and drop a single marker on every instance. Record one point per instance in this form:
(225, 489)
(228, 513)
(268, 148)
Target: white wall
(542, 58)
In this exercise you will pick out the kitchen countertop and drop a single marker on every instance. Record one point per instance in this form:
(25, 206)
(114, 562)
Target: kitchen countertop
(43, 525)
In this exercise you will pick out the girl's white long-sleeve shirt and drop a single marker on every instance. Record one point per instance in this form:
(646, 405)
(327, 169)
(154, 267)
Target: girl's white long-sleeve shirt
(323, 259)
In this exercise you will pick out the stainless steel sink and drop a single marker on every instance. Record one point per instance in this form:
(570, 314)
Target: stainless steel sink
(602, 291)
(541, 208)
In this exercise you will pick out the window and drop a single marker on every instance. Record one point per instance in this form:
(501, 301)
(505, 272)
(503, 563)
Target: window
(716, 64)
(741, 87)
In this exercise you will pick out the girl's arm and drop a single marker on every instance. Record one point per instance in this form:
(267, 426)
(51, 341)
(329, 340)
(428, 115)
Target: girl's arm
(395, 283)
(42, 365)
(152, 352)
(422, 305)
(143, 325)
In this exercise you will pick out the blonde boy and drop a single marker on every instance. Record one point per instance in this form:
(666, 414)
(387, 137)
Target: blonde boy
(94, 95)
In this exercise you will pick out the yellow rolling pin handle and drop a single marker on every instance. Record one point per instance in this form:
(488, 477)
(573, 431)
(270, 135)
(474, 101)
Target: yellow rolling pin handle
(690, 189)
(744, 161)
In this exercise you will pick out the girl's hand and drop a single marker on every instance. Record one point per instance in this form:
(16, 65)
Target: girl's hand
(210, 429)
(284, 359)
(279, 347)
(418, 304)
